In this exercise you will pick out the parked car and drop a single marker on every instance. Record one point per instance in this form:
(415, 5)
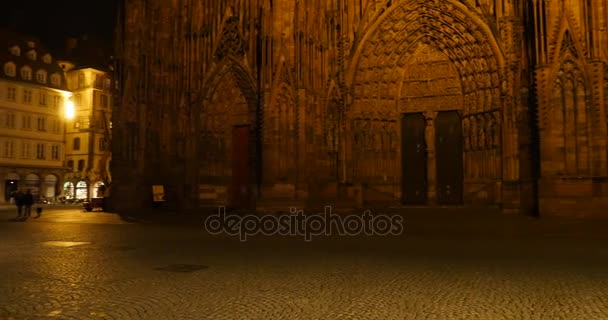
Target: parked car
(93, 204)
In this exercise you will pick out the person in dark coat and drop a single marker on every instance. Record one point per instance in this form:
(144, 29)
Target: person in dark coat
(28, 202)
(19, 197)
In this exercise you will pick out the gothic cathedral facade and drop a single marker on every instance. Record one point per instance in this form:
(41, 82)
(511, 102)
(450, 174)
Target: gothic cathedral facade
(366, 102)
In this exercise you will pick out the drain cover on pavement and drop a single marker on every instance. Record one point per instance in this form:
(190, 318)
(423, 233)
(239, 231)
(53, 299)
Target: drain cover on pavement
(64, 243)
(183, 268)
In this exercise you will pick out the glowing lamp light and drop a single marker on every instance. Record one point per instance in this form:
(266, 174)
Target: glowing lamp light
(70, 112)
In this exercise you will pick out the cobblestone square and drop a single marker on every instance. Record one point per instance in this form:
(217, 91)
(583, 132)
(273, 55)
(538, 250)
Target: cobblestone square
(446, 265)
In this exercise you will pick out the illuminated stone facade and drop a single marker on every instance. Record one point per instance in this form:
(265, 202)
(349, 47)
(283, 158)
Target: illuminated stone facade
(426, 102)
(32, 94)
(87, 136)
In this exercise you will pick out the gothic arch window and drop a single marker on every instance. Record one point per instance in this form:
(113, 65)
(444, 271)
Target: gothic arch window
(569, 123)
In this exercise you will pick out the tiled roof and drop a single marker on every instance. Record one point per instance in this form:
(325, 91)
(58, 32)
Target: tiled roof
(10, 39)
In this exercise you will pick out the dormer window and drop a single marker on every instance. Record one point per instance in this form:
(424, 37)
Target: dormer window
(10, 69)
(26, 73)
(31, 44)
(41, 76)
(56, 80)
(80, 80)
(16, 51)
(47, 58)
(31, 55)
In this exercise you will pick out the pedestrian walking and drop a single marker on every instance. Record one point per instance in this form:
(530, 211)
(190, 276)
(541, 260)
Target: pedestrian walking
(19, 197)
(28, 202)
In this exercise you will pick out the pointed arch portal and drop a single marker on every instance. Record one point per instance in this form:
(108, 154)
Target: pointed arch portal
(227, 140)
(435, 59)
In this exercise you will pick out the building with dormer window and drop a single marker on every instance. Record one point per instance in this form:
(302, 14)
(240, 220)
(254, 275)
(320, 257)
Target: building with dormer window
(31, 118)
(88, 134)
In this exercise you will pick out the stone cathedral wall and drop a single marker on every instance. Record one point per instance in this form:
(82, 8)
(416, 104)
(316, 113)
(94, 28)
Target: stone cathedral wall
(256, 102)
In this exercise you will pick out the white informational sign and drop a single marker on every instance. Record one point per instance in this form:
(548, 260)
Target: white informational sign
(158, 193)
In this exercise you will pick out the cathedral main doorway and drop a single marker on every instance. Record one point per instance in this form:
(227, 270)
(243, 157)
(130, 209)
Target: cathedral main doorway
(449, 155)
(240, 188)
(414, 159)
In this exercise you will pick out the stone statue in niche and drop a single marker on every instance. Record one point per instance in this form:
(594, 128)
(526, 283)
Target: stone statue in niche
(497, 128)
(387, 137)
(429, 132)
(481, 126)
(473, 133)
(489, 138)
(367, 144)
(377, 143)
(467, 134)
(393, 138)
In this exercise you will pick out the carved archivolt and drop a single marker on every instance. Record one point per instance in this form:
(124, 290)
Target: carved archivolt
(391, 48)
(226, 107)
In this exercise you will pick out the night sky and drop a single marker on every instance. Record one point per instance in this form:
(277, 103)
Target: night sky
(53, 21)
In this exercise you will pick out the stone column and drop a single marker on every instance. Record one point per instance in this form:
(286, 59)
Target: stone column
(431, 157)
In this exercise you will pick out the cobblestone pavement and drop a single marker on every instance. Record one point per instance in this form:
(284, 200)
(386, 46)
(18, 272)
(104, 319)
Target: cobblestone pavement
(447, 265)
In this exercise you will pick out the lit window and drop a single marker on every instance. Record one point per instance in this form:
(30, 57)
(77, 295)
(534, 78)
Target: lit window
(47, 58)
(9, 149)
(55, 152)
(11, 94)
(26, 151)
(11, 120)
(41, 76)
(41, 124)
(40, 148)
(56, 80)
(78, 100)
(10, 69)
(42, 99)
(56, 101)
(26, 73)
(27, 96)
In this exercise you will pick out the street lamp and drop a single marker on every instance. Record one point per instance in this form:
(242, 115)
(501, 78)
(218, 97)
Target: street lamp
(70, 111)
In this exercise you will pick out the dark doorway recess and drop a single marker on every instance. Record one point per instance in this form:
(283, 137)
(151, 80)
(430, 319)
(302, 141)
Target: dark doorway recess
(450, 176)
(414, 159)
